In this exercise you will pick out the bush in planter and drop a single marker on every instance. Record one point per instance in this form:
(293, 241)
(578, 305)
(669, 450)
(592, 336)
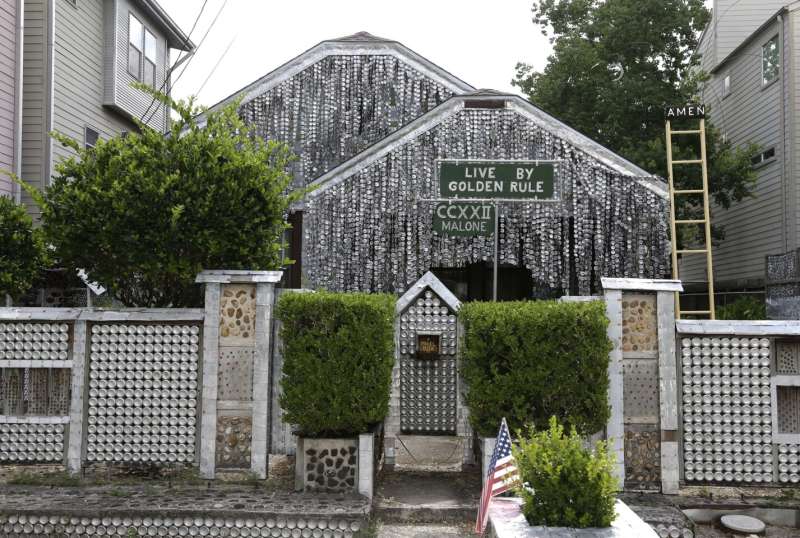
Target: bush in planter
(565, 484)
(528, 361)
(338, 355)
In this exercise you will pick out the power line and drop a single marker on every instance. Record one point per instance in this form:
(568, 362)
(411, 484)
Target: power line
(213, 69)
(178, 60)
(211, 26)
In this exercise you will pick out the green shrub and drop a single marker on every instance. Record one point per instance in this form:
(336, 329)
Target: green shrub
(528, 361)
(22, 250)
(338, 354)
(744, 308)
(565, 484)
(143, 214)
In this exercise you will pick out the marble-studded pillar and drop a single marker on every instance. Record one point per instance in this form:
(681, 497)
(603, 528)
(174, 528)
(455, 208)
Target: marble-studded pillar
(236, 370)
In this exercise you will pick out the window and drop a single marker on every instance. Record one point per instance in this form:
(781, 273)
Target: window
(135, 39)
(90, 137)
(150, 55)
(726, 86)
(770, 61)
(763, 157)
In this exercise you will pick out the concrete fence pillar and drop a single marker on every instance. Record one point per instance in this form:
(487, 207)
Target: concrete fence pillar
(236, 370)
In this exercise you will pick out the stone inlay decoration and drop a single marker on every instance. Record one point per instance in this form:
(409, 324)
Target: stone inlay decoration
(34, 341)
(234, 438)
(727, 425)
(142, 398)
(428, 385)
(330, 464)
(31, 443)
(365, 231)
(789, 463)
(639, 325)
(643, 457)
(238, 314)
(339, 106)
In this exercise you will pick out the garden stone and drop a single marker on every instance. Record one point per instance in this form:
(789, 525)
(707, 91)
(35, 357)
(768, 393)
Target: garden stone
(743, 524)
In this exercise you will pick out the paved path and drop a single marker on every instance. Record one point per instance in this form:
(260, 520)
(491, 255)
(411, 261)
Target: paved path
(424, 531)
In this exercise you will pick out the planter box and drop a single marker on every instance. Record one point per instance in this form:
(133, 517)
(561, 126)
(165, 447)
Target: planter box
(337, 465)
(506, 521)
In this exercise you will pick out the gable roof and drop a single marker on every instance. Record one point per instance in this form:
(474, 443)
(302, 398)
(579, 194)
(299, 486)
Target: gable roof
(428, 280)
(516, 103)
(359, 44)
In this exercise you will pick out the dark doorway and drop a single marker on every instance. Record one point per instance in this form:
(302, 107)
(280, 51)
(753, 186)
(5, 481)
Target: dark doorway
(474, 283)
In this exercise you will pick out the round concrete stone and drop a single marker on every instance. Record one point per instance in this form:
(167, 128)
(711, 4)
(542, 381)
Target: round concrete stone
(743, 524)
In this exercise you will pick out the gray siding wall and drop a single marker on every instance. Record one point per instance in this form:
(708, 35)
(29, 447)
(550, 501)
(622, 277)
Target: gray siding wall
(751, 112)
(734, 20)
(8, 66)
(34, 98)
(79, 59)
(130, 100)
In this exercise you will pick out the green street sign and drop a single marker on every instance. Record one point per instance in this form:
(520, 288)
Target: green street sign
(523, 180)
(464, 219)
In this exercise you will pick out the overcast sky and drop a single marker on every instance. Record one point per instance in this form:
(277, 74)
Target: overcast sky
(478, 41)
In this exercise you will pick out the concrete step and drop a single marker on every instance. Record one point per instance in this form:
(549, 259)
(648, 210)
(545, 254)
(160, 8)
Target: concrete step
(424, 531)
(429, 498)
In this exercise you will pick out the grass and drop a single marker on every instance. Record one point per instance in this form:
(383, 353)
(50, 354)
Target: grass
(58, 479)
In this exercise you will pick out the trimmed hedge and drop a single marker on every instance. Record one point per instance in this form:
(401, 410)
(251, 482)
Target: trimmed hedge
(338, 356)
(565, 484)
(530, 360)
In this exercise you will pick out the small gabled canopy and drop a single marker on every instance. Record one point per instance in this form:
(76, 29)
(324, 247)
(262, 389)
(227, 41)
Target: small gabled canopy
(486, 98)
(428, 280)
(359, 44)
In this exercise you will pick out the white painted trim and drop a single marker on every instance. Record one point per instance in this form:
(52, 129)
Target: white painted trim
(615, 429)
(238, 276)
(23, 314)
(35, 364)
(428, 280)
(33, 419)
(733, 327)
(640, 284)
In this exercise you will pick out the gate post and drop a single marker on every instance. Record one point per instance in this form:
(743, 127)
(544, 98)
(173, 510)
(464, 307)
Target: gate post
(237, 334)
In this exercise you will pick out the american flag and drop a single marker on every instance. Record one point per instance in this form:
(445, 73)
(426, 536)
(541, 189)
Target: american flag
(501, 476)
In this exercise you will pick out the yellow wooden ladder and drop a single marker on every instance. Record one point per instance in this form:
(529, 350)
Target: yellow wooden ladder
(705, 221)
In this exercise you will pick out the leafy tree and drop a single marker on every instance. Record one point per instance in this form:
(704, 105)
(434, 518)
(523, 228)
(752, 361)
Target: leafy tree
(22, 251)
(615, 65)
(143, 214)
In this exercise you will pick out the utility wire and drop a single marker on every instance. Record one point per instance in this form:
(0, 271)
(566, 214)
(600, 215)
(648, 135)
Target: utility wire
(200, 44)
(213, 69)
(177, 60)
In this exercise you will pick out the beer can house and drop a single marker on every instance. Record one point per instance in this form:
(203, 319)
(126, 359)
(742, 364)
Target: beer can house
(412, 170)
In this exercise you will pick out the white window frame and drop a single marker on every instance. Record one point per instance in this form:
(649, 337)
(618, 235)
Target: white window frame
(139, 46)
(764, 51)
(726, 86)
(86, 144)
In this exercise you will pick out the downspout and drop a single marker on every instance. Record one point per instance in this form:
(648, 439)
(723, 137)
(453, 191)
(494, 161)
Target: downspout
(51, 72)
(19, 87)
(784, 179)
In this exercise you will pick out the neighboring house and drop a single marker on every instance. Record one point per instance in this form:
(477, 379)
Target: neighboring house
(369, 118)
(750, 51)
(79, 60)
(10, 79)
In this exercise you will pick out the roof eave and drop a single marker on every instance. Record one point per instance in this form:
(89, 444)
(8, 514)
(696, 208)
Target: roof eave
(343, 48)
(602, 154)
(749, 39)
(176, 38)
